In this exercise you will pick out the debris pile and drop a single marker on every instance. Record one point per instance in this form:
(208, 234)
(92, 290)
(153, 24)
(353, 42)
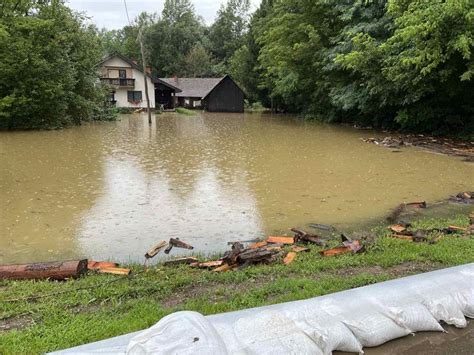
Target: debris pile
(403, 231)
(439, 145)
(464, 197)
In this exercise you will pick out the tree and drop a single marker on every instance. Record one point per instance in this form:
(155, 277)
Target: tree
(227, 32)
(48, 60)
(173, 36)
(197, 62)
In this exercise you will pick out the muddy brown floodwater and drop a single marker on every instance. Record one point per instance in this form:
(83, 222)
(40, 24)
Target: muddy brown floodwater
(111, 190)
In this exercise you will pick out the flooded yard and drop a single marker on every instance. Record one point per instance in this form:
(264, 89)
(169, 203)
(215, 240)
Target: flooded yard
(111, 190)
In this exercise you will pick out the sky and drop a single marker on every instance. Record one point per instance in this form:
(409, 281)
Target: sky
(111, 13)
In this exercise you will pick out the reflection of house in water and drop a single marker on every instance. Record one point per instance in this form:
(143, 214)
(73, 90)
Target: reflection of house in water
(127, 84)
(210, 94)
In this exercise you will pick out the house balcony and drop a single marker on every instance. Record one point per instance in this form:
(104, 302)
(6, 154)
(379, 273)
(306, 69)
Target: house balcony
(121, 82)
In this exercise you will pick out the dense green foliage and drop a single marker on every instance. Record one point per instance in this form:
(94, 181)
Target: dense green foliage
(392, 63)
(48, 60)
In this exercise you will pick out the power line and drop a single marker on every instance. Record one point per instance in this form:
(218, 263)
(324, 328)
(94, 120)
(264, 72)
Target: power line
(126, 11)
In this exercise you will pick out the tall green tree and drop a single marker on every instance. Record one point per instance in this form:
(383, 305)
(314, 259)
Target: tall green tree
(173, 36)
(48, 59)
(227, 33)
(197, 62)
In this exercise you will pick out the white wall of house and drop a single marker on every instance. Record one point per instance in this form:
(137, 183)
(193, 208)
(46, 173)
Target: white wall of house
(121, 93)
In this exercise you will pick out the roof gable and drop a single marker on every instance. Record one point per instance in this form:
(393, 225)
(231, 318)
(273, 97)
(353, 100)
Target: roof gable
(193, 87)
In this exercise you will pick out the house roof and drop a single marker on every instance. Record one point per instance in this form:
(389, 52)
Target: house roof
(137, 67)
(193, 87)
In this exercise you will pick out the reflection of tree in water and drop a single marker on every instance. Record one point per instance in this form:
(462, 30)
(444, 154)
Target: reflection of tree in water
(48, 179)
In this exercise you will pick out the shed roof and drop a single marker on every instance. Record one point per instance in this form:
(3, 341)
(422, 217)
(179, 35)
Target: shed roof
(193, 87)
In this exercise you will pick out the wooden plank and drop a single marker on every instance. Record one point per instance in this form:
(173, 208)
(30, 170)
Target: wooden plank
(96, 265)
(57, 270)
(115, 271)
(298, 249)
(289, 258)
(281, 240)
(181, 261)
(225, 267)
(335, 251)
(258, 245)
(208, 264)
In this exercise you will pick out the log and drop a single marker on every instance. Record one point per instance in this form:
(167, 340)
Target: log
(255, 255)
(155, 249)
(230, 257)
(57, 270)
(115, 271)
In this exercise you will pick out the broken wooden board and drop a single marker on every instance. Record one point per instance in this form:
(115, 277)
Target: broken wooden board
(96, 265)
(335, 251)
(258, 245)
(302, 236)
(179, 244)
(225, 267)
(255, 255)
(289, 258)
(298, 249)
(457, 229)
(208, 264)
(155, 249)
(397, 228)
(115, 271)
(181, 261)
(281, 240)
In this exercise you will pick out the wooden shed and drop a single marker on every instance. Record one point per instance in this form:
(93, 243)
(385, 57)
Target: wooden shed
(210, 94)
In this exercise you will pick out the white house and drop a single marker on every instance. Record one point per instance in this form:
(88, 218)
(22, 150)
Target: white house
(127, 82)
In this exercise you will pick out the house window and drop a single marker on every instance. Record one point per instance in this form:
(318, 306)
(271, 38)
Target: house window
(134, 96)
(122, 73)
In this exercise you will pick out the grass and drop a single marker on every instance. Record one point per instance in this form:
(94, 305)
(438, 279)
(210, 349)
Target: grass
(185, 111)
(134, 303)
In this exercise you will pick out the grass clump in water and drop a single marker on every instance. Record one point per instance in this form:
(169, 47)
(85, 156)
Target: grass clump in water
(185, 111)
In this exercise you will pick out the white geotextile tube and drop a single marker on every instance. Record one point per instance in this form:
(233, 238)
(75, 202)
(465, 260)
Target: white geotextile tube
(345, 321)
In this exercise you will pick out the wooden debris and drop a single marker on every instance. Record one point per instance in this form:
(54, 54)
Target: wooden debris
(464, 197)
(258, 245)
(230, 257)
(155, 249)
(289, 258)
(404, 237)
(225, 267)
(175, 242)
(96, 265)
(457, 229)
(281, 240)
(397, 228)
(115, 271)
(255, 255)
(298, 249)
(335, 251)
(181, 261)
(57, 270)
(324, 227)
(353, 245)
(421, 204)
(208, 264)
(301, 236)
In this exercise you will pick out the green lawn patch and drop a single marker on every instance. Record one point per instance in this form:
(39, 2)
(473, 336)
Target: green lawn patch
(185, 111)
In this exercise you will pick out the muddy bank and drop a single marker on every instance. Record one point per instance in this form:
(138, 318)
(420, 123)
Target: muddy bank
(439, 145)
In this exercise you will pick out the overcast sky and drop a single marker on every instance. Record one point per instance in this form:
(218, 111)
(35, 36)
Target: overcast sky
(111, 13)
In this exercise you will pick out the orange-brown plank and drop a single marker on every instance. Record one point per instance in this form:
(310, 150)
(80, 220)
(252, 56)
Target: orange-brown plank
(281, 240)
(289, 258)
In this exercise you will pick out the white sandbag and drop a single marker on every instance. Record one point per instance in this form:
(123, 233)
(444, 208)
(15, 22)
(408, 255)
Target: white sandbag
(446, 309)
(374, 328)
(271, 332)
(414, 317)
(465, 301)
(328, 333)
(179, 333)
